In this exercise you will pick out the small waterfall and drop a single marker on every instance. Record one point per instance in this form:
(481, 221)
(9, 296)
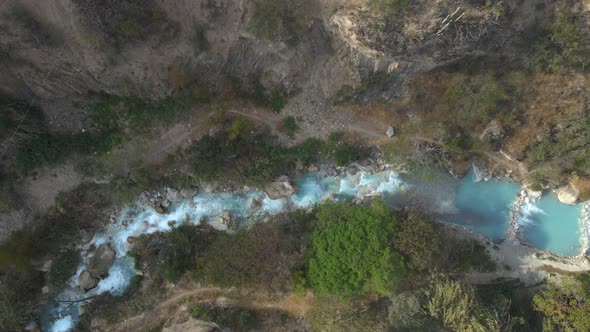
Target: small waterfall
(479, 173)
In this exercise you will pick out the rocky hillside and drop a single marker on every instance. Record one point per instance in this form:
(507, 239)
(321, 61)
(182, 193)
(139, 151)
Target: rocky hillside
(458, 80)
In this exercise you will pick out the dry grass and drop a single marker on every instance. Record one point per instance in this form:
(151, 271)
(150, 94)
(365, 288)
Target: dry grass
(546, 99)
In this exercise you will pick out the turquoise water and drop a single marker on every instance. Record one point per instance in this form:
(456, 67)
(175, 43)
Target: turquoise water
(480, 206)
(552, 226)
(485, 205)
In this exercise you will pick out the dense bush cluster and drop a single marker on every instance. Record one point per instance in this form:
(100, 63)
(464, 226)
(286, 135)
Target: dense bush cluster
(351, 251)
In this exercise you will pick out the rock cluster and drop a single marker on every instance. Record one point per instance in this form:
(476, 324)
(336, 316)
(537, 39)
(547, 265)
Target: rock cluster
(493, 132)
(98, 267)
(567, 194)
(281, 187)
(160, 202)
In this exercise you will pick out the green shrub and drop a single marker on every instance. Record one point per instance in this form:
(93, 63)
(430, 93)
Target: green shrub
(201, 311)
(417, 239)
(200, 42)
(63, 267)
(289, 124)
(344, 154)
(563, 47)
(115, 114)
(351, 251)
(49, 149)
(565, 306)
(464, 256)
(168, 256)
(277, 102)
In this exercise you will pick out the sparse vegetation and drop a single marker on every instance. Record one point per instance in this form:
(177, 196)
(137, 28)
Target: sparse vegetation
(289, 125)
(274, 20)
(389, 8)
(565, 306)
(455, 305)
(200, 42)
(563, 47)
(234, 318)
(18, 298)
(417, 239)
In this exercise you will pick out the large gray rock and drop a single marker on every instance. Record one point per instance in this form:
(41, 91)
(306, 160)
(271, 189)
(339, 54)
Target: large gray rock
(192, 325)
(224, 218)
(390, 132)
(255, 205)
(189, 192)
(173, 195)
(567, 194)
(102, 260)
(282, 187)
(87, 280)
(493, 132)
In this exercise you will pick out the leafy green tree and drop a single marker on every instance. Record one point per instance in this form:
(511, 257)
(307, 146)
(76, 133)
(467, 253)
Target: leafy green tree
(566, 307)
(351, 252)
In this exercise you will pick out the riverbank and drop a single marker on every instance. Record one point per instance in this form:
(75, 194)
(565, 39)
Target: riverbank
(517, 260)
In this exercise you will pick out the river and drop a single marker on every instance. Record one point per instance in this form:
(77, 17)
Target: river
(484, 207)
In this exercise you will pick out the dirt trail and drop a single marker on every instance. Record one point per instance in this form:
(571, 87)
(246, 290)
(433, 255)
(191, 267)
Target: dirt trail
(175, 306)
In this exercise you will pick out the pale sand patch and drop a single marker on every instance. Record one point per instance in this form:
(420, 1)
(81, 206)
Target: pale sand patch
(528, 264)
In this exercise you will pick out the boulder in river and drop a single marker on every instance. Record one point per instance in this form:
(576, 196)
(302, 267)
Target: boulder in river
(87, 280)
(102, 260)
(282, 187)
(255, 205)
(224, 218)
(567, 194)
(189, 192)
(173, 195)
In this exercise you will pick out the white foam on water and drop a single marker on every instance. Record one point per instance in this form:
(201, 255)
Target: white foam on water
(120, 275)
(63, 324)
(273, 206)
(527, 213)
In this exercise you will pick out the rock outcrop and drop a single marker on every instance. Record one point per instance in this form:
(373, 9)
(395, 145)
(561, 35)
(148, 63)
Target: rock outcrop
(390, 132)
(224, 218)
(189, 192)
(282, 187)
(173, 195)
(87, 280)
(101, 261)
(568, 194)
(493, 132)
